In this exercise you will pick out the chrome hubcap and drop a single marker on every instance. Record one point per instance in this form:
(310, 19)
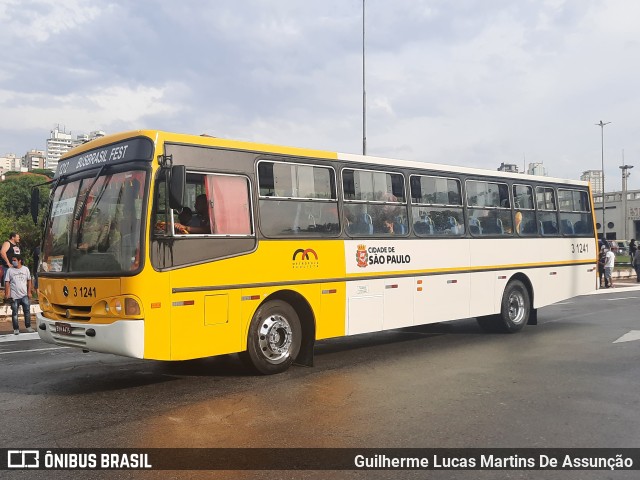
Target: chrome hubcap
(275, 337)
(516, 307)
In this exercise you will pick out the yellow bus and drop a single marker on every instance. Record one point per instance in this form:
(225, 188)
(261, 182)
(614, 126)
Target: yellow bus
(168, 246)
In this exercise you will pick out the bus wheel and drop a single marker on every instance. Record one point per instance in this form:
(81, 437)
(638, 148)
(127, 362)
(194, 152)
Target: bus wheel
(274, 337)
(514, 310)
(515, 306)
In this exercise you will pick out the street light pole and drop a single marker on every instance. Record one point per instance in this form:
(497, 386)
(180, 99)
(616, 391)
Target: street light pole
(604, 203)
(364, 94)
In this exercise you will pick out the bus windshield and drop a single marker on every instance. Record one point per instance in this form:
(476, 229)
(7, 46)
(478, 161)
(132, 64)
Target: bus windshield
(94, 224)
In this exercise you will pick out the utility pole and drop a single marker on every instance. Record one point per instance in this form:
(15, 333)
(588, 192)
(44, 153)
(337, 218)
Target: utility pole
(625, 174)
(601, 124)
(364, 93)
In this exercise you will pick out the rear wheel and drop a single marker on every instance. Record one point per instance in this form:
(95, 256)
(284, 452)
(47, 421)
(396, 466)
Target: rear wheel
(274, 338)
(516, 306)
(514, 310)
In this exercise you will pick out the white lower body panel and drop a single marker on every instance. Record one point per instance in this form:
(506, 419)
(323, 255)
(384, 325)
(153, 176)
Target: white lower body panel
(123, 337)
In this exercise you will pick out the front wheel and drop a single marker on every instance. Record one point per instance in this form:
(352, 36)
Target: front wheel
(274, 338)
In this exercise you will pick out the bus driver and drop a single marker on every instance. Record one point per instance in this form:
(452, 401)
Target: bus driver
(200, 221)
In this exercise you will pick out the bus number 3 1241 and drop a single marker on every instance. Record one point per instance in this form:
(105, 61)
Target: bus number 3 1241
(579, 248)
(84, 291)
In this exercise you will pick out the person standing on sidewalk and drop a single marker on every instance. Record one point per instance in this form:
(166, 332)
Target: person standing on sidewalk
(9, 249)
(635, 261)
(601, 259)
(17, 287)
(609, 262)
(633, 248)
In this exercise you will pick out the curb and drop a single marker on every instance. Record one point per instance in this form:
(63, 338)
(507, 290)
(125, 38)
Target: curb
(5, 318)
(615, 289)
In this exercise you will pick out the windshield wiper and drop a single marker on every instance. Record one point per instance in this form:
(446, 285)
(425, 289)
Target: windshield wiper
(78, 215)
(54, 185)
(86, 195)
(96, 202)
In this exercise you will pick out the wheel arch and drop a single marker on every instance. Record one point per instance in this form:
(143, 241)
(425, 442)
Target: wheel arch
(527, 283)
(307, 323)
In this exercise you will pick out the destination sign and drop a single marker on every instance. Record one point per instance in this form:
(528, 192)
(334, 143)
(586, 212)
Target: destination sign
(116, 153)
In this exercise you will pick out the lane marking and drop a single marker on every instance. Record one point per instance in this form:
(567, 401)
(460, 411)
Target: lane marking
(33, 350)
(629, 337)
(621, 298)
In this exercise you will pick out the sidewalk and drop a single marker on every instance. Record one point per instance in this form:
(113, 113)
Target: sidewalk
(624, 282)
(5, 319)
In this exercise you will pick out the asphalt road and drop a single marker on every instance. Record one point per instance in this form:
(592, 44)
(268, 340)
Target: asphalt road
(571, 381)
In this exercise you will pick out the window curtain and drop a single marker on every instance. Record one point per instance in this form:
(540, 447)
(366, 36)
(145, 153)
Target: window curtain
(230, 204)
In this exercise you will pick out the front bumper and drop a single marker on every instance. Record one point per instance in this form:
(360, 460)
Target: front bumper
(122, 337)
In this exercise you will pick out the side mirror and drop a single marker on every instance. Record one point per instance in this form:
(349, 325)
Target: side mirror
(35, 204)
(177, 186)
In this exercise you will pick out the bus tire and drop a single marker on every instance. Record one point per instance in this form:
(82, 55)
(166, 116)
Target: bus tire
(516, 306)
(274, 338)
(514, 310)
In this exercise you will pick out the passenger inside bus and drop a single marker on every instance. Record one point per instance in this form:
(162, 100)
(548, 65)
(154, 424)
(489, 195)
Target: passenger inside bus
(185, 216)
(386, 217)
(518, 219)
(199, 223)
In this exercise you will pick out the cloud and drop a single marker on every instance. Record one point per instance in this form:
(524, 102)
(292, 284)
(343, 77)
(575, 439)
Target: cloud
(124, 106)
(38, 20)
(471, 82)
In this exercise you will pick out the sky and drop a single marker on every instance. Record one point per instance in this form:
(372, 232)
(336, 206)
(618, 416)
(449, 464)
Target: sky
(459, 82)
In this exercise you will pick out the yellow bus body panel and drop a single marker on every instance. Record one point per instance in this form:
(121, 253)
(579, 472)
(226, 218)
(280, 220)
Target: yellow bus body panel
(210, 319)
(213, 320)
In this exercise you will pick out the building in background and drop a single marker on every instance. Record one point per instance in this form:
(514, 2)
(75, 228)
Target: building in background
(61, 141)
(595, 178)
(58, 143)
(84, 138)
(9, 162)
(34, 159)
(508, 167)
(617, 214)
(537, 168)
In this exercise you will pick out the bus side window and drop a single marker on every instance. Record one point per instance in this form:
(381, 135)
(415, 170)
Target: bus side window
(297, 199)
(162, 214)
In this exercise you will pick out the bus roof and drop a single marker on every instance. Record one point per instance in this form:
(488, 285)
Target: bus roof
(206, 140)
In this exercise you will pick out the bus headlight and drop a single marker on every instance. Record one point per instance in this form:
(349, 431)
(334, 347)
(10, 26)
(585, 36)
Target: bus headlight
(122, 306)
(45, 304)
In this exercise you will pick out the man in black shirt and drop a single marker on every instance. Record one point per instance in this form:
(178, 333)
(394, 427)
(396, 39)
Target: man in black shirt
(10, 248)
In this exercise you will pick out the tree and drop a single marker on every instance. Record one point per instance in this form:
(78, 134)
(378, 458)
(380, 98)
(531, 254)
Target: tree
(43, 171)
(15, 194)
(15, 211)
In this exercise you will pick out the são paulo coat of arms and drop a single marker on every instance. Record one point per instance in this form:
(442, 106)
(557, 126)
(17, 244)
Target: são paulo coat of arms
(362, 257)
